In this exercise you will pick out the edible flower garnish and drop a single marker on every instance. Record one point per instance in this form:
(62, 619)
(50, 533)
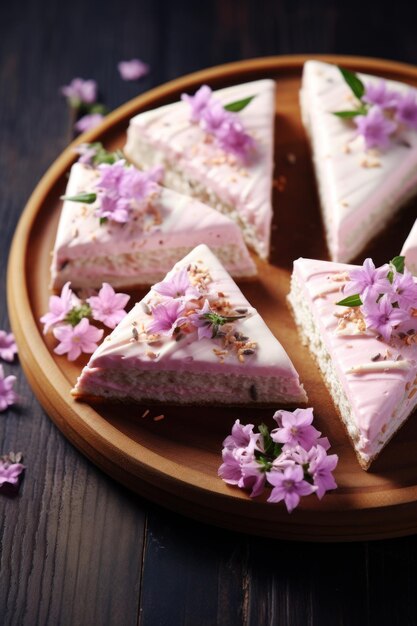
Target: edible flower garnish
(80, 91)
(379, 112)
(94, 154)
(8, 347)
(70, 319)
(7, 395)
(11, 470)
(385, 297)
(292, 459)
(88, 122)
(221, 121)
(133, 69)
(122, 189)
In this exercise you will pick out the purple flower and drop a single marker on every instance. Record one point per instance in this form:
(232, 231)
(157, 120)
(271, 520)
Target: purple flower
(406, 112)
(295, 428)
(377, 93)
(137, 185)
(321, 467)
(214, 116)
(108, 306)
(253, 478)
(231, 468)
(133, 69)
(76, 339)
(199, 102)
(405, 290)
(289, 485)
(177, 285)
(114, 208)
(165, 317)
(59, 307)
(7, 395)
(203, 325)
(233, 138)
(375, 128)
(87, 152)
(89, 121)
(242, 437)
(381, 316)
(80, 91)
(8, 347)
(10, 472)
(111, 176)
(368, 281)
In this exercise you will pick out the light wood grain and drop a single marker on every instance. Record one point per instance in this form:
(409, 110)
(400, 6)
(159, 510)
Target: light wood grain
(174, 462)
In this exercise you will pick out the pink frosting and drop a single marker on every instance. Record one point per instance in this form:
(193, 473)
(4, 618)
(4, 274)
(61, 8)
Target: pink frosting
(244, 186)
(379, 392)
(190, 354)
(184, 222)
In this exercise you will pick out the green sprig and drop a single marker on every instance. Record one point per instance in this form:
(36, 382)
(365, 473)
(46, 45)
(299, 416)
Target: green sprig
(351, 301)
(353, 81)
(217, 320)
(238, 105)
(85, 198)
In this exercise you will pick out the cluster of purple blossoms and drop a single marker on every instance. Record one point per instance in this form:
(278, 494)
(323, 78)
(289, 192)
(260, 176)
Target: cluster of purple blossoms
(11, 469)
(215, 120)
(387, 111)
(292, 459)
(387, 295)
(123, 189)
(382, 112)
(70, 319)
(184, 309)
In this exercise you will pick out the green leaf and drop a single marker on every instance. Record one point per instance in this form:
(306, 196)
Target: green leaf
(268, 442)
(98, 108)
(103, 220)
(85, 198)
(347, 114)
(355, 83)
(398, 263)
(77, 313)
(238, 105)
(351, 301)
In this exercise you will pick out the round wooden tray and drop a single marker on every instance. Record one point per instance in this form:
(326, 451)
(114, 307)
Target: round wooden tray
(174, 461)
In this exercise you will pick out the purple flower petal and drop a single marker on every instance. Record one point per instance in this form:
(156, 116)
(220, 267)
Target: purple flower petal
(89, 121)
(8, 347)
(375, 128)
(108, 306)
(80, 91)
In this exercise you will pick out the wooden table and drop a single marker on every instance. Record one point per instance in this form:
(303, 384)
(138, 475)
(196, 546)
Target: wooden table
(75, 547)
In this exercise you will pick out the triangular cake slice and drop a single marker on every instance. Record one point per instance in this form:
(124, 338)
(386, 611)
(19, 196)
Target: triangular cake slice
(410, 250)
(89, 252)
(236, 361)
(359, 189)
(195, 164)
(373, 382)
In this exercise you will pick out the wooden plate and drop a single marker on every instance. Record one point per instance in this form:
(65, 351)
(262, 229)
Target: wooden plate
(174, 461)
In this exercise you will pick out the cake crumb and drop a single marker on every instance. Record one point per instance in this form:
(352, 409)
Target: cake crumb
(158, 418)
(291, 158)
(145, 413)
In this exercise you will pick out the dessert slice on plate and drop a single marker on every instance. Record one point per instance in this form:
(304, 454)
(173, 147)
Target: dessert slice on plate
(194, 340)
(218, 147)
(92, 247)
(364, 156)
(410, 250)
(367, 353)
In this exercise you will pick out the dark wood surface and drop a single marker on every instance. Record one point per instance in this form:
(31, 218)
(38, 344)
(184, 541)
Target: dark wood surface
(75, 547)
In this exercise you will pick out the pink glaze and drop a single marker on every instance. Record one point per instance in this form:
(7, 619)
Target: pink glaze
(377, 393)
(189, 354)
(176, 221)
(409, 250)
(244, 186)
(359, 190)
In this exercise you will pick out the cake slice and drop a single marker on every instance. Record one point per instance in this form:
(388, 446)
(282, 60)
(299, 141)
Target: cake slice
(195, 163)
(359, 189)
(193, 340)
(89, 252)
(373, 381)
(409, 250)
